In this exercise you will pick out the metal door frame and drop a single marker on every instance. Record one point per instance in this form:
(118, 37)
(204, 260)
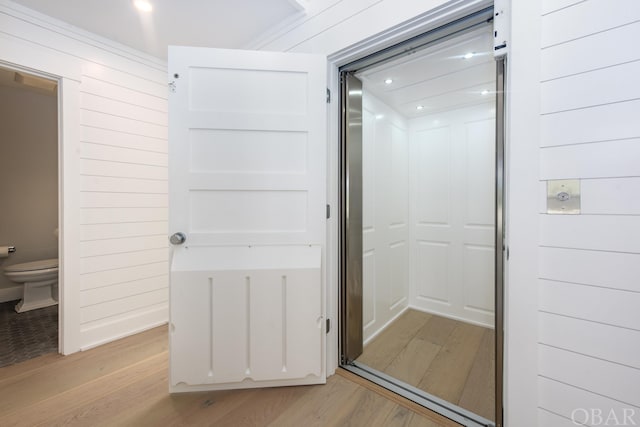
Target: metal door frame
(351, 215)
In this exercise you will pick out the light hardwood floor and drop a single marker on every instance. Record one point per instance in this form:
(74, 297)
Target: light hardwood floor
(125, 383)
(449, 359)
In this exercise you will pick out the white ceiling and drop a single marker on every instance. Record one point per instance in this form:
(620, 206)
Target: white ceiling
(438, 78)
(208, 23)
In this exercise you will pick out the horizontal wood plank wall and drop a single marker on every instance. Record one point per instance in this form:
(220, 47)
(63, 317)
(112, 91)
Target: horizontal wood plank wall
(123, 281)
(589, 292)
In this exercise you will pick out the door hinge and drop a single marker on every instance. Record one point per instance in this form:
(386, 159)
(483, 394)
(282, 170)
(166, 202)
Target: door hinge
(328, 325)
(328, 96)
(328, 211)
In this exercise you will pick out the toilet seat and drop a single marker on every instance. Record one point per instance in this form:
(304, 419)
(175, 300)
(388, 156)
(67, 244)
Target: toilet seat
(44, 264)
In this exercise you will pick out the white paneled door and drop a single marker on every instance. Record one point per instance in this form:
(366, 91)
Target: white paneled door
(247, 155)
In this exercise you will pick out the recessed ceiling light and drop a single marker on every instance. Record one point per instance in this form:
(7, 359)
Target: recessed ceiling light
(388, 81)
(484, 92)
(468, 55)
(420, 107)
(143, 5)
(379, 116)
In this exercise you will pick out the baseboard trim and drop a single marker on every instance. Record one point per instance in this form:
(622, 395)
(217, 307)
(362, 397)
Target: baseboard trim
(10, 294)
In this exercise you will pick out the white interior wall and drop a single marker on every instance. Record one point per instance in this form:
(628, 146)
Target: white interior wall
(588, 286)
(452, 213)
(121, 279)
(28, 179)
(385, 170)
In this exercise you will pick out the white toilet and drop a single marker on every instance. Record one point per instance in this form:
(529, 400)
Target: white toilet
(40, 280)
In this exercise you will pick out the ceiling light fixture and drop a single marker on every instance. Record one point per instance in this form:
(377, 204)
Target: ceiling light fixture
(388, 81)
(468, 55)
(484, 92)
(420, 107)
(143, 5)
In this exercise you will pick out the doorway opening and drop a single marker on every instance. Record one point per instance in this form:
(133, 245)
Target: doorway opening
(29, 226)
(421, 220)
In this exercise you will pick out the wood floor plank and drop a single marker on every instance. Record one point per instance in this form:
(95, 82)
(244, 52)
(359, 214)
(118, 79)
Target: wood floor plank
(447, 374)
(72, 406)
(364, 408)
(419, 411)
(319, 404)
(386, 346)
(160, 408)
(413, 361)
(437, 330)
(16, 391)
(126, 384)
(479, 391)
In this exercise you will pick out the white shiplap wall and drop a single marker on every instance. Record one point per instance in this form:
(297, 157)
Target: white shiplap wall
(122, 280)
(589, 287)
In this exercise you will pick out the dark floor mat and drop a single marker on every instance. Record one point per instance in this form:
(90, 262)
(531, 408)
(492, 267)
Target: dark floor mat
(27, 335)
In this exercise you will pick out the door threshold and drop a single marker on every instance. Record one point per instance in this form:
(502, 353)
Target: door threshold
(412, 398)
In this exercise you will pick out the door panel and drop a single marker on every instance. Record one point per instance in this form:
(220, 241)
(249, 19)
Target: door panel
(352, 212)
(247, 151)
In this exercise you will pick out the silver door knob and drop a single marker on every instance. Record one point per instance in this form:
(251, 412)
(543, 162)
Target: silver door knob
(178, 238)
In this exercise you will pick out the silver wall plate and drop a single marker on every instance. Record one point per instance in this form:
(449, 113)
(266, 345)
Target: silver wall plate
(563, 196)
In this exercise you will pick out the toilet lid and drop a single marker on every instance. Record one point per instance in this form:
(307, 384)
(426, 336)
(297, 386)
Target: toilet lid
(33, 265)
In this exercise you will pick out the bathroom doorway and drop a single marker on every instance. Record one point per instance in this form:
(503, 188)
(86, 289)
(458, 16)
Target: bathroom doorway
(29, 187)
(421, 235)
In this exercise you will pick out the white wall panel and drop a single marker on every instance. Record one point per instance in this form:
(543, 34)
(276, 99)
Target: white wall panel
(93, 102)
(124, 275)
(432, 274)
(594, 160)
(549, 6)
(90, 167)
(586, 124)
(399, 278)
(122, 260)
(125, 229)
(619, 233)
(607, 85)
(369, 291)
(479, 279)
(452, 195)
(585, 18)
(547, 418)
(123, 200)
(385, 215)
(118, 184)
(122, 290)
(571, 403)
(603, 305)
(432, 151)
(123, 123)
(93, 151)
(610, 196)
(577, 57)
(114, 246)
(606, 342)
(106, 309)
(114, 91)
(613, 380)
(614, 270)
(121, 139)
(480, 173)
